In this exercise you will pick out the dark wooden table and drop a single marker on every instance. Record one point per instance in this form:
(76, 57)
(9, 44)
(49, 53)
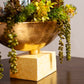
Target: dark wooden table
(67, 73)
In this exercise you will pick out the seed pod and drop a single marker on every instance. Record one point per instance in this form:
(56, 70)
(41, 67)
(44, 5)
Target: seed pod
(62, 37)
(1, 65)
(61, 53)
(60, 48)
(15, 59)
(61, 62)
(10, 36)
(11, 66)
(15, 67)
(13, 50)
(1, 75)
(9, 41)
(11, 53)
(16, 71)
(68, 57)
(0, 56)
(14, 44)
(14, 62)
(10, 46)
(15, 35)
(17, 43)
(11, 59)
(1, 69)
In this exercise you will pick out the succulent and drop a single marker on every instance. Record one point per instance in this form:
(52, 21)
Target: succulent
(42, 9)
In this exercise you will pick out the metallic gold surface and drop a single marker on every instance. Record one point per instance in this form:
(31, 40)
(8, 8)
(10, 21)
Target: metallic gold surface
(31, 35)
(35, 67)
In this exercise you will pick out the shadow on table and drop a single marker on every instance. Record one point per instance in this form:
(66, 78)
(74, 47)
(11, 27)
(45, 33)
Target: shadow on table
(51, 79)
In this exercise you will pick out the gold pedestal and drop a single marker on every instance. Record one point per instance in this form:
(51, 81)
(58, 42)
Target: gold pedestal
(35, 67)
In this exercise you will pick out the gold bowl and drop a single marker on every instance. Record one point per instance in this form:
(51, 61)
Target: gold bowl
(32, 36)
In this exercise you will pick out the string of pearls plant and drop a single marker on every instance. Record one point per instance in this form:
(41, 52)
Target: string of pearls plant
(1, 68)
(12, 8)
(37, 11)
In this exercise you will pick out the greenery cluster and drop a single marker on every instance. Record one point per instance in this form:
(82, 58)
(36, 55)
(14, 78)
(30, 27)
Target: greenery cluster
(36, 11)
(27, 13)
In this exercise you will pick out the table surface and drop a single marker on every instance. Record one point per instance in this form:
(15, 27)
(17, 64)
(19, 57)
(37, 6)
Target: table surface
(71, 72)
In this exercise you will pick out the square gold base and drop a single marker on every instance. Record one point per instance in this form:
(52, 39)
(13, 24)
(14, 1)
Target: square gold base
(35, 67)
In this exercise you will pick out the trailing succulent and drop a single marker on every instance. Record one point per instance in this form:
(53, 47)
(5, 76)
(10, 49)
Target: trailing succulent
(37, 10)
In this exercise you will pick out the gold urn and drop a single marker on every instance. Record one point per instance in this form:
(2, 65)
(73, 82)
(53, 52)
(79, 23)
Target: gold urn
(32, 36)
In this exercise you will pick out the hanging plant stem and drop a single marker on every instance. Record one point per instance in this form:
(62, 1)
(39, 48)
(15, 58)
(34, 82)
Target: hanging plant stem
(1, 69)
(12, 42)
(67, 36)
(64, 33)
(61, 44)
(12, 9)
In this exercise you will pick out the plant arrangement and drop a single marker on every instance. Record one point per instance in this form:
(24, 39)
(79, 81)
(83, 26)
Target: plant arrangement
(36, 11)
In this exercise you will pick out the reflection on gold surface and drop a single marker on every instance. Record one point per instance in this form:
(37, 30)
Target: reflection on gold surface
(29, 47)
(51, 79)
(31, 35)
